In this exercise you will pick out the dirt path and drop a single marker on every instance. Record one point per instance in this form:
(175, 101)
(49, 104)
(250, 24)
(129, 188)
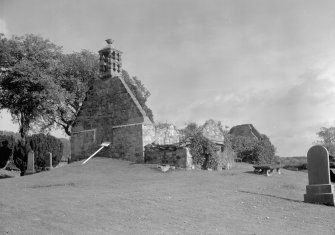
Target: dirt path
(108, 196)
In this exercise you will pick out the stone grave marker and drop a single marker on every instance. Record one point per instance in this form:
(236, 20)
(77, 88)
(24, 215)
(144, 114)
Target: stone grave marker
(30, 163)
(320, 190)
(48, 161)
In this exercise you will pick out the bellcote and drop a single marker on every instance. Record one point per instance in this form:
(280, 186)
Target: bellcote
(110, 61)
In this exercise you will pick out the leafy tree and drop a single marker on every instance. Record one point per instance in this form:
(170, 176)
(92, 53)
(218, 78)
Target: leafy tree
(75, 75)
(191, 129)
(42, 145)
(27, 89)
(254, 151)
(264, 152)
(327, 136)
(244, 147)
(140, 92)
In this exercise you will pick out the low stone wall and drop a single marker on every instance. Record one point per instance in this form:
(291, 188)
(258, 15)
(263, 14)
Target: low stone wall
(171, 155)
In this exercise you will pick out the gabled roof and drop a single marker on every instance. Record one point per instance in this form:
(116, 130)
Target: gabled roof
(146, 119)
(246, 130)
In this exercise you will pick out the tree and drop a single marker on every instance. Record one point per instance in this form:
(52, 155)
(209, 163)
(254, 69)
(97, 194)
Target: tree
(75, 75)
(327, 136)
(191, 129)
(254, 151)
(140, 92)
(27, 89)
(264, 152)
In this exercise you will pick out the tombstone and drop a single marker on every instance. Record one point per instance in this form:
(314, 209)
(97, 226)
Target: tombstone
(189, 159)
(30, 163)
(48, 161)
(320, 190)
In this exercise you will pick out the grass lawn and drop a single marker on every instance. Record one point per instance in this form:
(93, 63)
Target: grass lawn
(109, 196)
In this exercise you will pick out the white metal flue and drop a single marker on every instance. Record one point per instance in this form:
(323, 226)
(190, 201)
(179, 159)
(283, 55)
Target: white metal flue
(104, 144)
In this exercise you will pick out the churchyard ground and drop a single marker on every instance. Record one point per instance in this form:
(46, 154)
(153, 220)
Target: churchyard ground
(109, 196)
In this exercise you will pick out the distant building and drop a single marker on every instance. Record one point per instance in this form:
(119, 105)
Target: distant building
(245, 130)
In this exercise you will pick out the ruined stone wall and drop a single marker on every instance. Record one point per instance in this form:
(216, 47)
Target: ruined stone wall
(211, 130)
(108, 110)
(148, 134)
(178, 157)
(167, 134)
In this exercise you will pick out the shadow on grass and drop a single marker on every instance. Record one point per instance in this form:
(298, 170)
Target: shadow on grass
(251, 172)
(6, 176)
(269, 195)
(53, 185)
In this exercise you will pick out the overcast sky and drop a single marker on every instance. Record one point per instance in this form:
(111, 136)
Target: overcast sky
(269, 63)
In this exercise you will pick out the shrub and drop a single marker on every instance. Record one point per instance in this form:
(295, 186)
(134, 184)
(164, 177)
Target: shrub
(43, 144)
(299, 163)
(9, 138)
(20, 153)
(254, 151)
(204, 152)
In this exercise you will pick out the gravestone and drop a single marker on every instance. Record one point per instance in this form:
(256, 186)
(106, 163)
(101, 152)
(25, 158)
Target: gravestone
(30, 163)
(48, 161)
(320, 190)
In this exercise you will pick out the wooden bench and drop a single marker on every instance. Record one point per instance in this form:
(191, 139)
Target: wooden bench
(266, 169)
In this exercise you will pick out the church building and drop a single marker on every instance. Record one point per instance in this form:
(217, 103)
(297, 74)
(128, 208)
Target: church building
(111, 113)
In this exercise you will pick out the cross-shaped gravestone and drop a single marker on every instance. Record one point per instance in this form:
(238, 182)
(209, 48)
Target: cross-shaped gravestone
(320, 190)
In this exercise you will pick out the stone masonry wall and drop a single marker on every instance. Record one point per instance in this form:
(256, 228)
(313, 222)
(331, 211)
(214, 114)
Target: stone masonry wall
(178, 157)
(167, 134)
(107, 106)
(127, 143)
(148, 134)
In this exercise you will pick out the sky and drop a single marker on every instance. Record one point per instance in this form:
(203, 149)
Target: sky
(268, 63)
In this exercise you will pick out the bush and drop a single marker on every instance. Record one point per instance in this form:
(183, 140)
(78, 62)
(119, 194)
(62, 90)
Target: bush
(20, 154)
(299, 163)
(9, 138)
(204, 152)
(254, 151)
(43, 144)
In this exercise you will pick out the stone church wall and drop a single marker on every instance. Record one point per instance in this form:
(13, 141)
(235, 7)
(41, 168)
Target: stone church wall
(111, 112)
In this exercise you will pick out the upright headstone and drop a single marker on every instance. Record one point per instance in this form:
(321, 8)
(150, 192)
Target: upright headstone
(320, 190)
(30, 163)
(48, 161)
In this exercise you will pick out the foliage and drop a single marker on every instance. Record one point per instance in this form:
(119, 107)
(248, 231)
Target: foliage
(27, 89)
(227, 157)
(203, 152)
(327, 136)
(254, 151)
(41, 86)
(20, 155)
(299, 163)
(244, 147)
(9, 138)
(140, 92)
(42, 145)
(191, 129)
(75, 75)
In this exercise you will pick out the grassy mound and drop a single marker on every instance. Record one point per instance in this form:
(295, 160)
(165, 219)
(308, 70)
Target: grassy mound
(109, 196)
